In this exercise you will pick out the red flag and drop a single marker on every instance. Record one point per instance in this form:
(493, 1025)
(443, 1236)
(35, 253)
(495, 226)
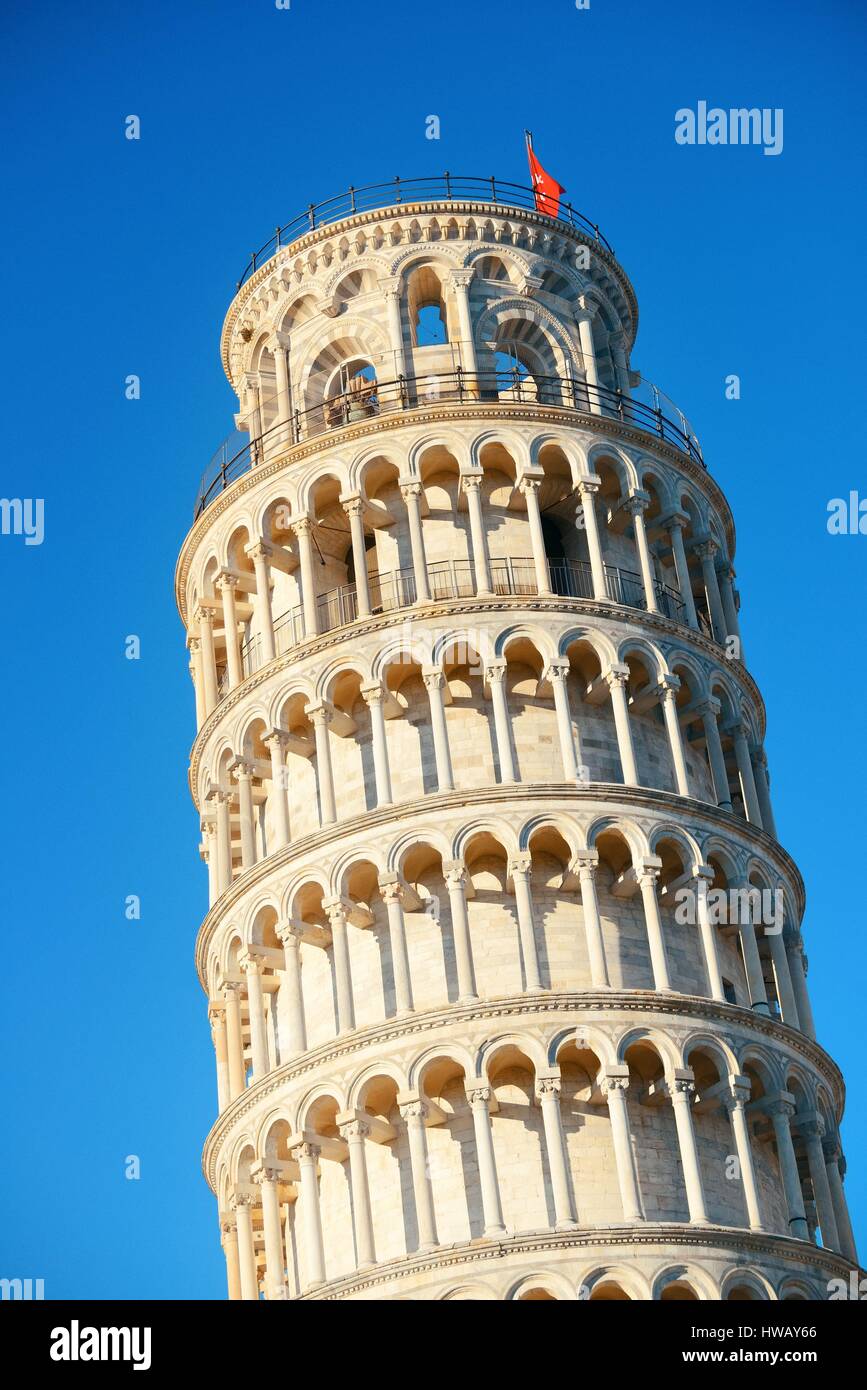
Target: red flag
(546, 190)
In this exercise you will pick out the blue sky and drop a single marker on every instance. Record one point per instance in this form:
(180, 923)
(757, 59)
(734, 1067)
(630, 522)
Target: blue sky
(120, 257)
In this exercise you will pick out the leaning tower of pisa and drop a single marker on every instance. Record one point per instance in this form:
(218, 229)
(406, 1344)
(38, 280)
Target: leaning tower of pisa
(503, 958)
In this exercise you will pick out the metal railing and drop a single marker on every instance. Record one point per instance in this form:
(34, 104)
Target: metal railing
(411, 393)
(438, 188)
(453, 579)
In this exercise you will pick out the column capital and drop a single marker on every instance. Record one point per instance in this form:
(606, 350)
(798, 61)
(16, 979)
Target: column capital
(495, 671)
(637, 501)
(647, 868)
(413, 1110)
(264, 1173)
(306, 1151)
(455, 873)
(433, 677)
(354, 1130)
(585, 863)
(226, 580)
(471, 482)
(277, 736)
(461, 275)
(681, 1086)
(478, 1093)
(519, 864)
(203, 615)
(705, 548)
(241, 1199)
(548, 1086)
(372, 694)
(781, 1104)
(259, 549)
(301, 525)
(710, 705)
(831, 1151)
(674, 520)
(739, 1092)
(589, 484)
(389, 286)
(668, 686)
(527, 483)
(250, 965)
(289, 933)
(409, 487)
(241, 767)
(320, 712)
(557, 670)
(614, 1078)
(616, 675)
(353, 504)
(391, 888)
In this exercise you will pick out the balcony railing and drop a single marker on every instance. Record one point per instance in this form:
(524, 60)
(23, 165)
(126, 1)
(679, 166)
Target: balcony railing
(412, 393)
(438, 189)
(453, 579)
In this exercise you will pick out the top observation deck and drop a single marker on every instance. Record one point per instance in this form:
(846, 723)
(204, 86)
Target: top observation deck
(440, 188)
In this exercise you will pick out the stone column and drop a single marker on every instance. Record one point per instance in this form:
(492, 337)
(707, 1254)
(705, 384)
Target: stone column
(413, 1114)
(706, 552)
(495, 675)
(682, 1091)
(281, 372)
(587, 489)
(229, 1242)
(258, 1042)
(297, 1039)
(763, 790)
(478, 1097)
(833, 1160)
(798, 976)
(355, 1134)
(725, 575)
(557, 674)
(259, 554)
(218, 1034)
(519, 869)
(198, 675)
(745, 772)
(275, 742)
(354, 508)
(812, 1132)
(411, 493)
(307, 1157)
(243, 774)
(391, 891)
(750, 950)
(647, 872)
(434, 681)
(636, 506)
(675, 531)
(459, 281)
(529, 488)
(267, 1180)
(548, 1092)
(588, 352)
(336, 911)
(616, 679)
(472, 486)
(390, 287)
(668, 688)
(205, 620)
(735, 1102)
(242, 1206)
(235, 1040)
(781, 1110)
(709, 712)
(617, 343)
(785, 992)
(455, 876)
(320, 717)
(224, 839)
(586, 866)
(703, 877)
(373, 698)
(226, 583)
(614, 1088)
(303, 531)
(212, 859)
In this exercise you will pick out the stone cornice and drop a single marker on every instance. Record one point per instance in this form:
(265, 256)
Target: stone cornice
(398, 617)
(801, 1254)
(492, 212)
(326, 443)
(578, 1004)
(602, 794)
